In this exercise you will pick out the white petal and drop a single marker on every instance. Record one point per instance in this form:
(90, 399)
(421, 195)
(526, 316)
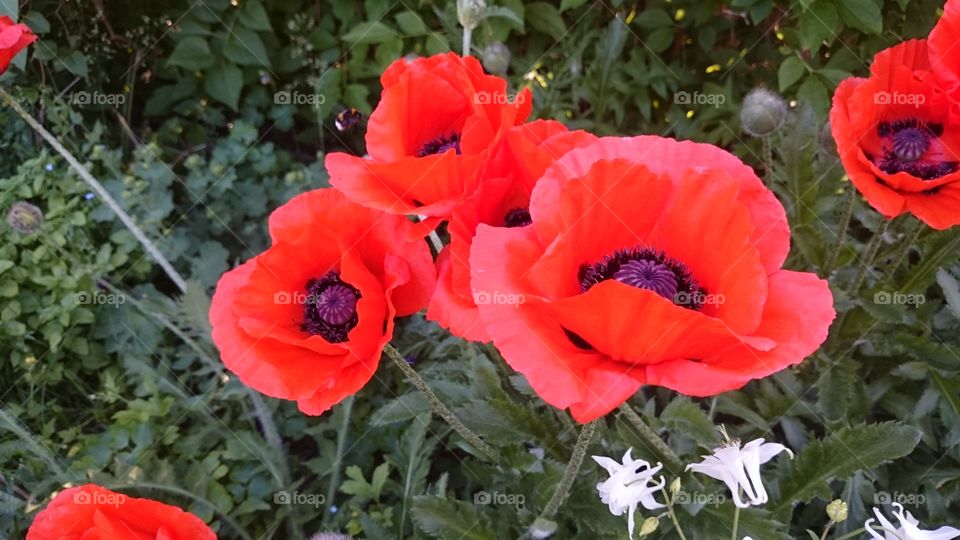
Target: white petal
(630, 522)
(873, 533)
(609, 464)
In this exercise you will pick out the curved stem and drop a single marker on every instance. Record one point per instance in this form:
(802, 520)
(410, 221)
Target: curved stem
(98, 188)
(573, 467)
(872, 249)
(653, 440)
(905, 248)
(826, 530)
(844, 225)
(438, 407)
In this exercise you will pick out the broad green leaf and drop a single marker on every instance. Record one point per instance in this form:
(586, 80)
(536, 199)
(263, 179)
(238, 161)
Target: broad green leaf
(411, 24)
(819, 23)
(370, 32)
(791, 70)
(223, 83)
(839, 456)
(814, 93)
(192, 53)
(449, 519)
(504, 12)
(244, 47)
(660, 40)
(863, 15)
(545, 18)
(254, 17)
(571, 4)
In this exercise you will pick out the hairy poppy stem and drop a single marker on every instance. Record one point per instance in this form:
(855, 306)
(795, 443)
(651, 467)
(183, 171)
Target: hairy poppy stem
(844, 225)
(871, 254)
(97, 187)
(905, 248)
(438, 407)
(653, 440)
(570, 473)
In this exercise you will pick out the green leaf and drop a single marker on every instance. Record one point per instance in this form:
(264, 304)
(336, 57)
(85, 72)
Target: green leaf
(504, 12)
(571, 4)
(254, 17)
(411, 24)
(819, 23)
(653, 18)
(192, 53)
(660, 39)
(37, 22)
(790, 72)
(951, 291)
(864, 15)
(686, 416)
(835, 389)
(545, 18)
(223, 83)
(370, 32)
(245, 47)
(448, 519)
(841, 455)
(814, 93)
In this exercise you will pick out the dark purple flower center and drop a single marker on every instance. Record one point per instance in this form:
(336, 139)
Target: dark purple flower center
(517, 217)
(440, 145)
(646, 268)
(907, 149)
(331, 308)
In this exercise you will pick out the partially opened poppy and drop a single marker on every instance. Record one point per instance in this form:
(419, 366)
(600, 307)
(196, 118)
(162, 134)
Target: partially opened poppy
(90, 512)
(307, 319)
(13, 39)
(648, 261)
(898, 136)
(502, 201)
(430, 135)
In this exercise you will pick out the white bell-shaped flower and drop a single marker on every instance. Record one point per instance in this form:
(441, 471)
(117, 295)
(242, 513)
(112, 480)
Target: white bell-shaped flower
(629, 486)
(739, 468)
(909, 527)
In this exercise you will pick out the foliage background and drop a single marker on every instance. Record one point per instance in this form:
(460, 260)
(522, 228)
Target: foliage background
(131, 395)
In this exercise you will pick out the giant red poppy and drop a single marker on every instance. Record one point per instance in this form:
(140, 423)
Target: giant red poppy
(429, 137)
(308, 318)
(90, 512)
(898, 136)
(647, 261)
(502, 201)
(13, 39)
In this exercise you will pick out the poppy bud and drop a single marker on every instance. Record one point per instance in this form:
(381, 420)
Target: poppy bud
(496, 58)
(471, 12)
(762, 112)
(25, 218)
(837, 511)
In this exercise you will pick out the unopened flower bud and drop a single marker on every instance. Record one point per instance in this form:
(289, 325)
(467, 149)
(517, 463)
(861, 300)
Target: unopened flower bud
(762, 112)
(675, 486)
(496, 58)
(837, 511)
(649, 525)
(470, 13)
(543, 528)
(25, 218)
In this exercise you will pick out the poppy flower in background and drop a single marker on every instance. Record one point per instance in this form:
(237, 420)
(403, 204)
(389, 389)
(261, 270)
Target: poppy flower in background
(944, 45)
(429, 136)
(648, 261)
(308, 318)
(501, 201)
(898, 136)
(92, 512)
(13, 39)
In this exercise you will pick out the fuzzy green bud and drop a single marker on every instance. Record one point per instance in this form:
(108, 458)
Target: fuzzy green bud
(25, 218)
(763, 112)
(496, 58)
(837, 511)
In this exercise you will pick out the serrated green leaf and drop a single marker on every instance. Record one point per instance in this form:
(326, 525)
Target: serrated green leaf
(223, 83)
(790, 71)
(448, 519)
(864, 15)
(192, 53)
(545, 18)
(684, 415)
(951, 291)
(819, 23)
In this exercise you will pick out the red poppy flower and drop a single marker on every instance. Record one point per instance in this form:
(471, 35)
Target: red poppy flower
(944, 45)
(648, 261)
(307, 319)
(898, 137)
(13, 39)
(430, 135)
(91, 512)
(502, 201)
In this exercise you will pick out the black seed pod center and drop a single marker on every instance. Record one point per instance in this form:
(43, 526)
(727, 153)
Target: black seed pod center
(440, 145)
(331, 308)
(517, 217)
(646, 268)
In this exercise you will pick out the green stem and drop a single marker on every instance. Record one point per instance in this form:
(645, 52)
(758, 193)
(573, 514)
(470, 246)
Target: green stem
(736, 522)
(438, 407)
(853, 534)
(346, 411)
(467, 38)
(573, 467)
(905, 248)
(655, 442)
(844, 226)
(673, 515)
(826, 530)
(98, 188)
(872, 249)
